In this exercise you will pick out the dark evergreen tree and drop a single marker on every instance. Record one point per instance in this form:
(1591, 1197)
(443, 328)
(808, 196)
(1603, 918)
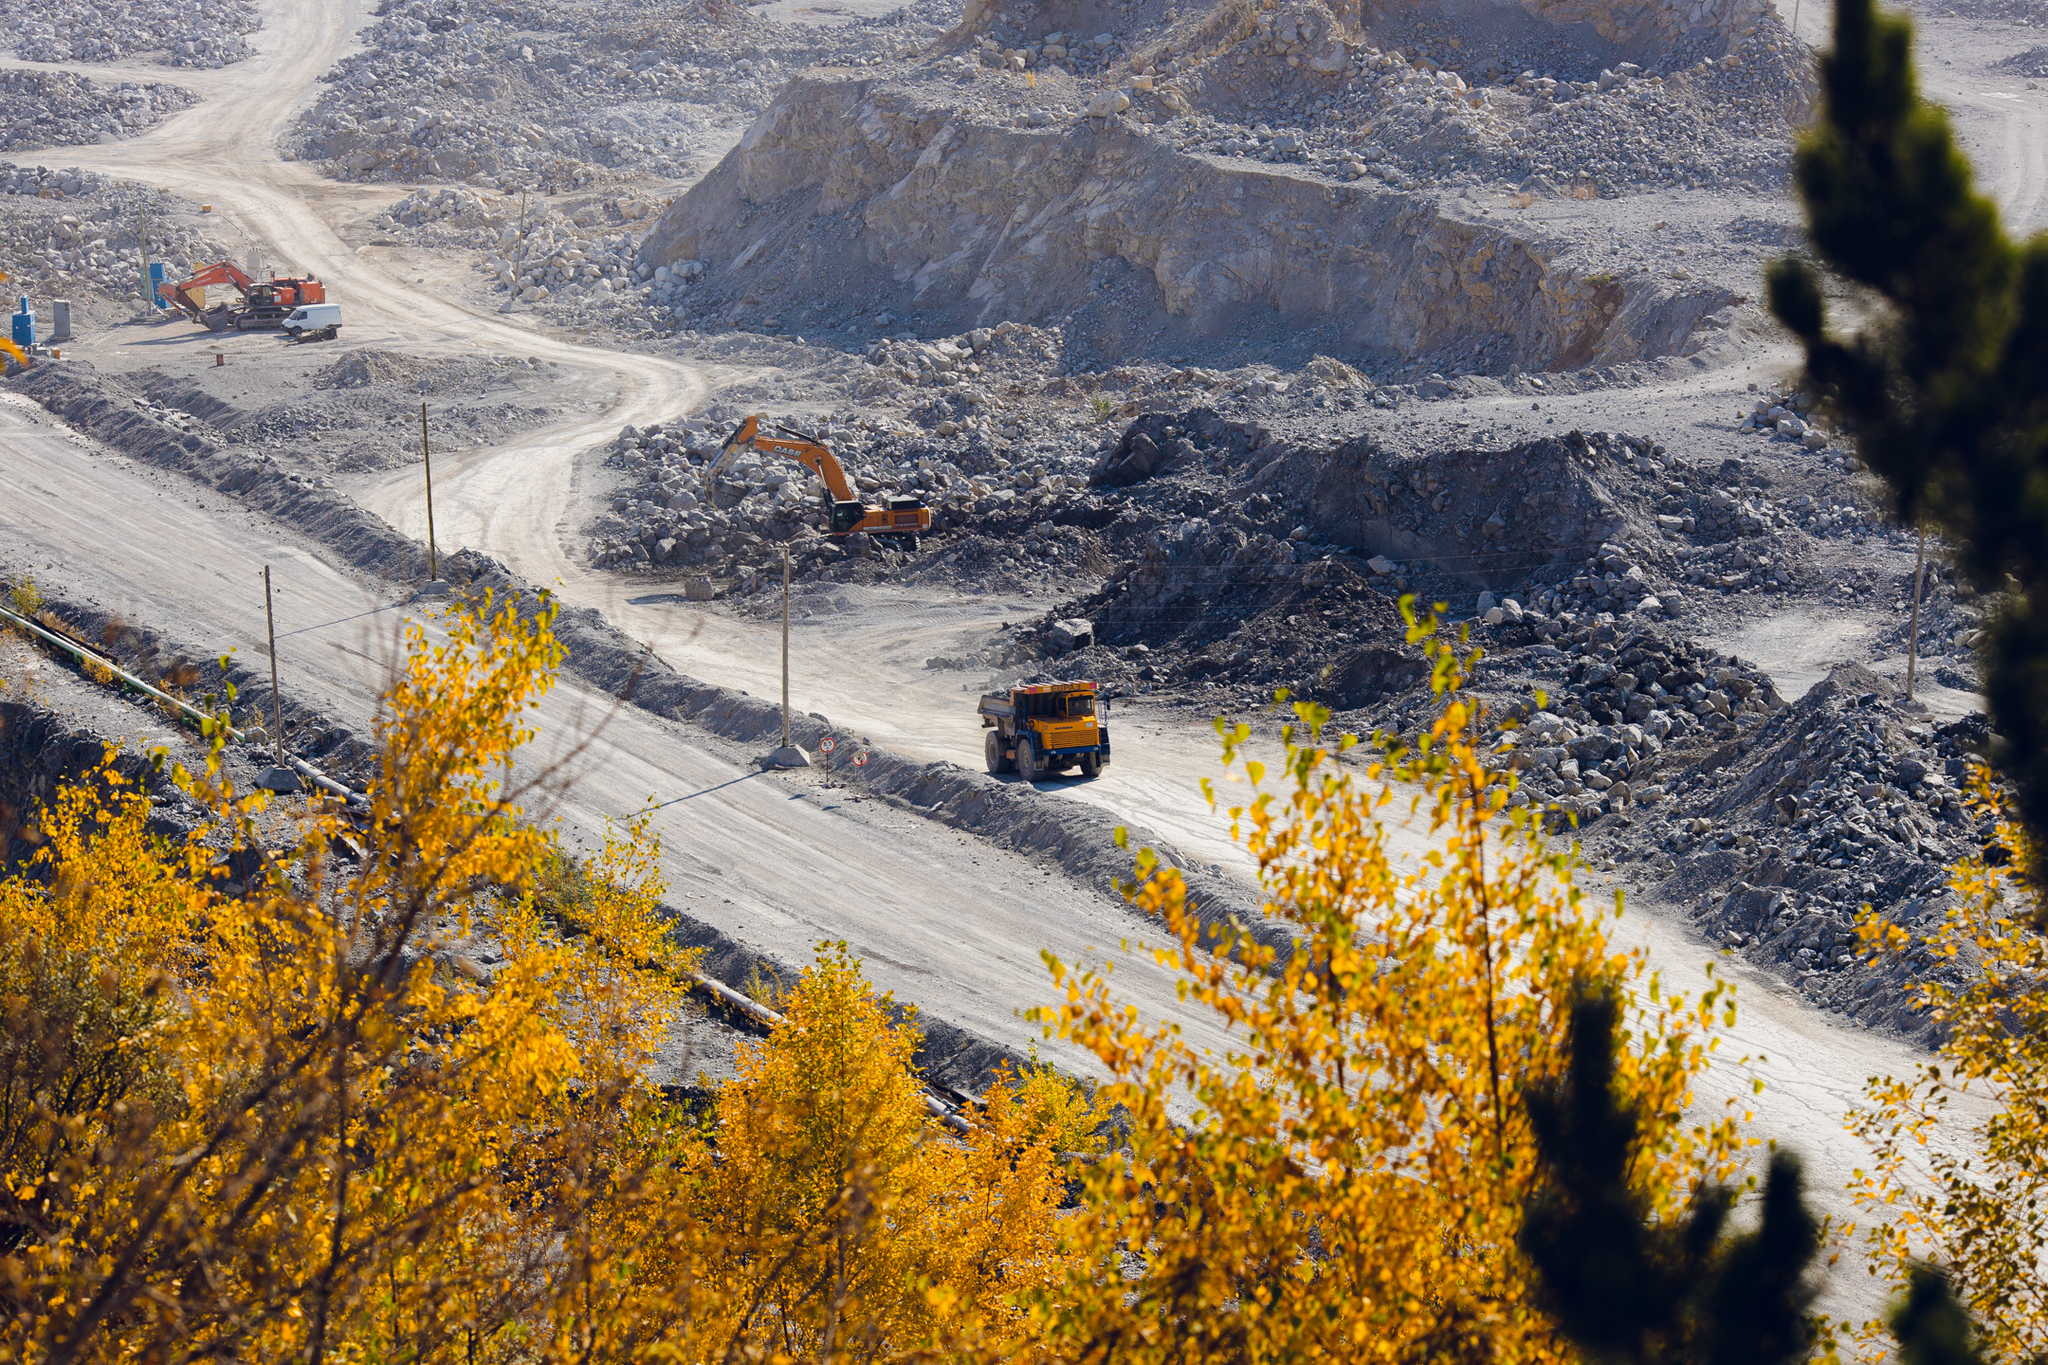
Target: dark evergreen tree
(1931, 1327)
(1630, 1291)
(1946, 390)
(1626, 1289)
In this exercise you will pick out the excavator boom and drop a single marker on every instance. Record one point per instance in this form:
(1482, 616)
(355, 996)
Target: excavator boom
(845, 512)
(189, 296)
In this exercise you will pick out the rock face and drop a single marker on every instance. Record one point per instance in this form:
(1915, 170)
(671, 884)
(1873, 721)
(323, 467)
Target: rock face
(1486, 516)
(849, 186)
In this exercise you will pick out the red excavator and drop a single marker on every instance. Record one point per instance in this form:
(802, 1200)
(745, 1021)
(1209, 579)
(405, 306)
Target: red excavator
(265, 303)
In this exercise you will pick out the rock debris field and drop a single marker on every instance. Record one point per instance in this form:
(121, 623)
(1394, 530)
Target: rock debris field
(78, 235)
(60, 109)
(189, 33)
(558, 97)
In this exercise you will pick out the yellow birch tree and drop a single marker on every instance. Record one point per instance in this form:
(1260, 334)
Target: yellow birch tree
(1970, 1195)
(1348, 1184)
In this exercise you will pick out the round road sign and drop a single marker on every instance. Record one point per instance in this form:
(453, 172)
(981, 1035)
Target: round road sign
(827, 745)
(860, 760)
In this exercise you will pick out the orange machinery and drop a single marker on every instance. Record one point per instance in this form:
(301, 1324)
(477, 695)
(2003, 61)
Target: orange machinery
(265, 303)
(845, 513)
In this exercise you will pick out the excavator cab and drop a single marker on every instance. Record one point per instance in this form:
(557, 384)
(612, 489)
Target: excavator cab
(846, 517)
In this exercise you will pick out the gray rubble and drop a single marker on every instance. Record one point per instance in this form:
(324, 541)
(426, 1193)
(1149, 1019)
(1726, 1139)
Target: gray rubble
(189, 33)
(521, 95)
(62, 109)
(77, 234)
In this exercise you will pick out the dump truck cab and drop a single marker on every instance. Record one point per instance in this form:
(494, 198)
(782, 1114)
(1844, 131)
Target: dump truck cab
(1045, 728)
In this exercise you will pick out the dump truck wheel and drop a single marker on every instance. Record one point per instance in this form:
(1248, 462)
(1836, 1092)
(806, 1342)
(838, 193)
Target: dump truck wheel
(1091, 766)
(992, 750)
(1027, 760)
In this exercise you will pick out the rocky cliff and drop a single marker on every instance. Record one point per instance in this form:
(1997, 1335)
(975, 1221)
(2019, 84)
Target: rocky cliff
(869, 195)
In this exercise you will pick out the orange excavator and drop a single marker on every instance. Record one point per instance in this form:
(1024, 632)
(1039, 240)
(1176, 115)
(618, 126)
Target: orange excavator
(265, 303)
(845, 513)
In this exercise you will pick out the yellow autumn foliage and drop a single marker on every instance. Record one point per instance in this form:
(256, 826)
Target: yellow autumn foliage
(1969, 1194)
(1348, 1183)
(255, 1107)
(868, 1233)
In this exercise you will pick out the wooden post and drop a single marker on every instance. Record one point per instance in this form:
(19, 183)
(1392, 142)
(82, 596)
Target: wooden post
(433, 564)
(785, 644)
(276, 703)
(142, 231)
(1913, 631)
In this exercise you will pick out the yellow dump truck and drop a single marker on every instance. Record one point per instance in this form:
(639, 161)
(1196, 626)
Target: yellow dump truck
(1045, 728)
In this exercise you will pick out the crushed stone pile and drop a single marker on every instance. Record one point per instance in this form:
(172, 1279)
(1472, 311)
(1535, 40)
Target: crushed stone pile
(363, 410)
(1773, 822)
(1415, 98)
(560, 98)
(992, 457)
(75, 233)
(1847, 798)
(575, 259)
(1202, 149)
(62, 109)
(2033, 62)
(193, 33)
(666, 517)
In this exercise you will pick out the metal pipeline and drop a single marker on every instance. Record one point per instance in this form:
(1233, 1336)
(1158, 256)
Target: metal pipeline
(193, 713)
(760, 1013)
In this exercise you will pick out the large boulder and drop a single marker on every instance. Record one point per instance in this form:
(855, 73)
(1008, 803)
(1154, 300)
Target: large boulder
(1151, 444)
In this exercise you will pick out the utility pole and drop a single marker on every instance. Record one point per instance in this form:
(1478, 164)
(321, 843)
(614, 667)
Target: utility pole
(519, 255)
(433, 564)
(1913, 631)
(785, 644)
(142, 232)
(276, 703)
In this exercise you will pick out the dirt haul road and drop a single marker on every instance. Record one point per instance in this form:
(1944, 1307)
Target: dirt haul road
(958, 937)
(778, 864)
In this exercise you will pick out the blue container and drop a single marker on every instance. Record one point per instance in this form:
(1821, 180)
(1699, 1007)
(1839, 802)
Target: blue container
(156, 284)
(25, 325)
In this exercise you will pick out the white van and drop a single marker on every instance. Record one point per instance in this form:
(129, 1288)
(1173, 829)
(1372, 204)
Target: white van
(321, 319)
